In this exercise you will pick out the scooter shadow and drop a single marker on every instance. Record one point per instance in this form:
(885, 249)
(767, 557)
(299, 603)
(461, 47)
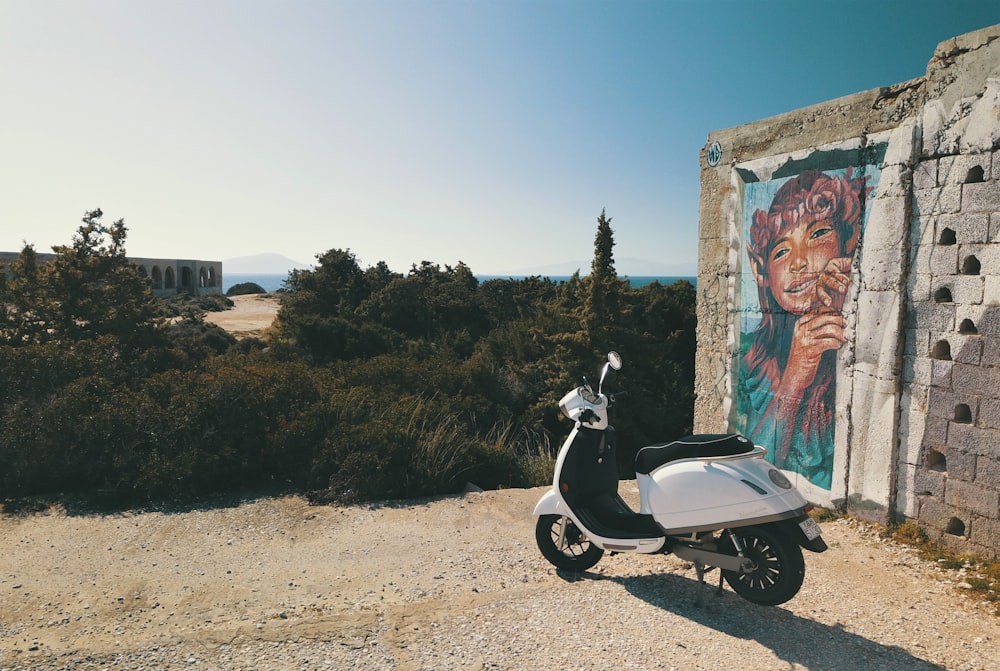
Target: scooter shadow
(794, 638)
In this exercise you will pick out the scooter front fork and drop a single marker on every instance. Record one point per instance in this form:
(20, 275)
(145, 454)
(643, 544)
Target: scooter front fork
(562, 534)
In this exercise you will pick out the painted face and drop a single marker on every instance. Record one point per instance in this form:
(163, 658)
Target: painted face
(796, 261)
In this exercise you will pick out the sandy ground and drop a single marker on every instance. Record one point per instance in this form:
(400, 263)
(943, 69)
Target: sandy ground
(448, 583)
(250, 315)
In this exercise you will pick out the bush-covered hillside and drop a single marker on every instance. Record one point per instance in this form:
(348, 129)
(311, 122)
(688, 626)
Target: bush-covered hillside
(374, 384)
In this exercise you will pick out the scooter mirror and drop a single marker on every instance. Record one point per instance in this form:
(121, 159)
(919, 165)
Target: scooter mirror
(615, 360)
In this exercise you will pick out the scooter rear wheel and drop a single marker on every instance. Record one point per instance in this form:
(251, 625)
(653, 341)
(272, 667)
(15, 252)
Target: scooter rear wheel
(574, 553)
(779, 570)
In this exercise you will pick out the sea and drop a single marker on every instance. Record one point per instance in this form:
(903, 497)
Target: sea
(271, 282)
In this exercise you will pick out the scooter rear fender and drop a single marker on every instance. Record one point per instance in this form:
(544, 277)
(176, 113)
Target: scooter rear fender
(792, 529)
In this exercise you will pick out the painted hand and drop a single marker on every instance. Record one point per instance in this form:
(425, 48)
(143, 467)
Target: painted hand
(831, 288)
(814, 334)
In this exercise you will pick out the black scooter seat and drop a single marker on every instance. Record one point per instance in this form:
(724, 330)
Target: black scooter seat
(651, 457)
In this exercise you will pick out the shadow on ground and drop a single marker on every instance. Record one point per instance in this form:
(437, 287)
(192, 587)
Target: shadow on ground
(793, 638)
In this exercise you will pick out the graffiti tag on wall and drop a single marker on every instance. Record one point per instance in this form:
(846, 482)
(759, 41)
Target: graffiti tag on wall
(801, 230)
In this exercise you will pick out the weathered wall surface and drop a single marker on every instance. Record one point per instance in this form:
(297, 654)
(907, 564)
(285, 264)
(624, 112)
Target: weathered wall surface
(849, 294)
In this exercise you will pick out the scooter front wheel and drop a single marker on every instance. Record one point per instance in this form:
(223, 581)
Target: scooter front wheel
(779, 567)
(564, 544)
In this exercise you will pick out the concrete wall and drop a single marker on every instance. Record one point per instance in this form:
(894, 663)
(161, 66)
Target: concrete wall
(849, 295)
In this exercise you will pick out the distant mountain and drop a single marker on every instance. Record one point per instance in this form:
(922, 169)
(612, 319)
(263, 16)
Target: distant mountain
(261, 264)
(627, 266)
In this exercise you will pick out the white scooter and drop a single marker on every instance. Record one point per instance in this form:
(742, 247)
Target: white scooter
(712, 500)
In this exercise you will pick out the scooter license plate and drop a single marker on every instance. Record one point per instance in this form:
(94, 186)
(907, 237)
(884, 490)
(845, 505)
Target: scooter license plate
(810, 528)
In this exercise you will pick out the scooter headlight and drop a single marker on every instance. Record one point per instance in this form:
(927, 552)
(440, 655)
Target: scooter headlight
(779, 479)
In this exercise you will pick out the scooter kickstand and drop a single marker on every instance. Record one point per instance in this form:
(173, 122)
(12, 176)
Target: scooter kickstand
(699, 568)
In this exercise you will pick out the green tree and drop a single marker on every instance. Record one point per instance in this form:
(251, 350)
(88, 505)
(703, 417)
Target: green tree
(603, 265)
(21, 300)
(601, 309)
(431, 305)
(336, 287)
(89, 290)
(319, 311)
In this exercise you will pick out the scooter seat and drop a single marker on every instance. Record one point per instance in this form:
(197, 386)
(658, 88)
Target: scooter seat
(651, 457)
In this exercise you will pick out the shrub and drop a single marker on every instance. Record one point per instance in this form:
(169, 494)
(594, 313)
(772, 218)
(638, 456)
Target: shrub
(414, 446)
(245, 288)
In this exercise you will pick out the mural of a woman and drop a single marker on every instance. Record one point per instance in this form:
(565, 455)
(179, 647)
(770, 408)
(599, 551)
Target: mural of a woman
(800, 252)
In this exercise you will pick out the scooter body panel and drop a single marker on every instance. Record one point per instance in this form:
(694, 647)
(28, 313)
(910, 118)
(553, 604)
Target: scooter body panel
(692, 495)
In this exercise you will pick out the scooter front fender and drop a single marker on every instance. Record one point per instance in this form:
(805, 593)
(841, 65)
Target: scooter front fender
(550, 504)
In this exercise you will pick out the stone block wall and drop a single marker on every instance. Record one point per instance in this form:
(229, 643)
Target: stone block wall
(901, 418)
(950, 470)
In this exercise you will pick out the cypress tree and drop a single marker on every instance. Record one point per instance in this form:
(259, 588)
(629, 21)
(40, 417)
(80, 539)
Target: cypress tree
(603, 281)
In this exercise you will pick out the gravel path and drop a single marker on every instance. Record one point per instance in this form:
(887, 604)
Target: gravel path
(446, 584)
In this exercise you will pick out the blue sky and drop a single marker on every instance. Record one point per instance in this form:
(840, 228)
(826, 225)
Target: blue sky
(491, 133)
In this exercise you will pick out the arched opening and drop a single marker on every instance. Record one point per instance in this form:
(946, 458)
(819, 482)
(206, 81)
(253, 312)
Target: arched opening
(975, 175)
(943, 295)
(941, 351)
(968, 327)
(169, 281)
(947, 237)
(212, 281)
(963, 414)
(187, 278)
(157, 278)
(202, 278)
(971, 266)
(955, 527)
(936, 461)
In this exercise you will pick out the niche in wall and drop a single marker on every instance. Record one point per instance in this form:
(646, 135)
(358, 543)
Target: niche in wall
(941, 351)
(943, 295)
(975, 175)
(963, 414)
(971, 265)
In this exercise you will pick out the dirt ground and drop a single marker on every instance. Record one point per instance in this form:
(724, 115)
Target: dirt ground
(250, 316)
(448, 583)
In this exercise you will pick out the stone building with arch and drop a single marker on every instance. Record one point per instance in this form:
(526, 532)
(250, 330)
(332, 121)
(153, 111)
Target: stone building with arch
(167, 277)
(849, 295)
(172, 276)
